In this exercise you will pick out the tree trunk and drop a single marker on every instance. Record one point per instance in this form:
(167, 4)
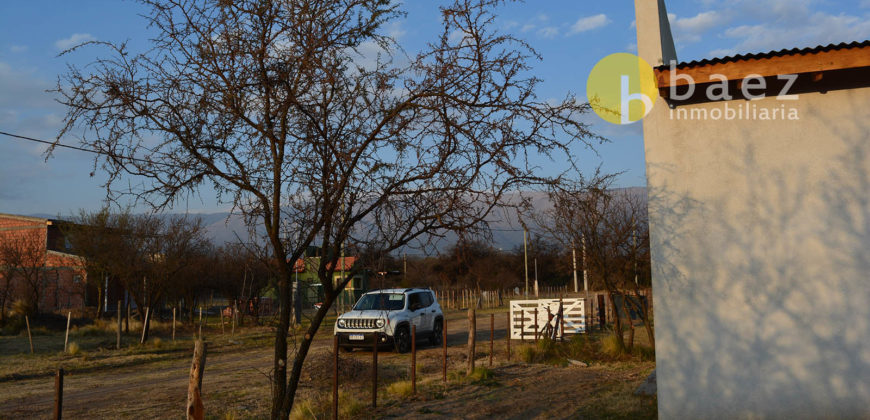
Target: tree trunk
(617, 324)
(282, 397)
(305, 345)
(627, 312)
(195, 409)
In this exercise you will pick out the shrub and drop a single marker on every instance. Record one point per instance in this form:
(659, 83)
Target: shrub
(321, 407)
(14, 325)
(611, 346)
(21, 307)
(73, 349)
(401, 389)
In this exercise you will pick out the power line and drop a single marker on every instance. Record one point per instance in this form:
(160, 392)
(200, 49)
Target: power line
(82, 149)
(50, 143)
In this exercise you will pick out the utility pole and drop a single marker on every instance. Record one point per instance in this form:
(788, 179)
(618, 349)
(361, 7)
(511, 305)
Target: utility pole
(574, 264)
(405, 267)
(526, 259)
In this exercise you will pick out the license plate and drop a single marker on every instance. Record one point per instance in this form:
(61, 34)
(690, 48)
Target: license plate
(356, 337)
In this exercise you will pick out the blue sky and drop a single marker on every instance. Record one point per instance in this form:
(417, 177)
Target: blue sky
(571, 36)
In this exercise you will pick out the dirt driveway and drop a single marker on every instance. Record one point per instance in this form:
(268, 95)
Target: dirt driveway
(239, 378)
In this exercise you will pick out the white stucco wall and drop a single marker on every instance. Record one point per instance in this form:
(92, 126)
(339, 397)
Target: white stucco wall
(761, 260)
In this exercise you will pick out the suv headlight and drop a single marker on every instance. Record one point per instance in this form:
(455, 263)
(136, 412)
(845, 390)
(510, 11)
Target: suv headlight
(380, 323)
(341, 323)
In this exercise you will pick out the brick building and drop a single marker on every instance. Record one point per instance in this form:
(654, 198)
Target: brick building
(36, 266)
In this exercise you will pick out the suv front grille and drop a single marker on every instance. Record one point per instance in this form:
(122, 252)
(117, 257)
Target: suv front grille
(360, 323)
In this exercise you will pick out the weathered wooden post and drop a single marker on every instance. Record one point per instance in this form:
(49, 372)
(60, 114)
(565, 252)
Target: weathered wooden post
(491, 337)
(118, 343)
(523, 327)
(413, 359)
(472, 327)
(536, 325)
(145, 326)
(29, 337)
(195, 408)
(58, 395)
(221, 313)
(66, 337)
(444, 352)
(375, 371)
(200, 322)
(335, 378)
(509, 327)
(173, 324)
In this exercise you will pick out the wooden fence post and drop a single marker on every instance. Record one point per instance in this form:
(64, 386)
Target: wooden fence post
(413, 359)
(536, 324)
(491, 337)
(66, 337)
(375, 371)
(195, 408)
(145, 326)
(335, 379)
(444, 352)
(118, 343)
(29, 337)
(509, 327)
(523, 327)
(472, 330)
(173, 324)
(58, 395)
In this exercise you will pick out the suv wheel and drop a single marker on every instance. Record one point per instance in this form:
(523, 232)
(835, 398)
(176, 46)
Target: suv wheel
(403, 339)
(437, 332)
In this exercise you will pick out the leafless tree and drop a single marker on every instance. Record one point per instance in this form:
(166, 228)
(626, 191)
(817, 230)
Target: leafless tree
(613, 225)
(147, 253)
(283, 108)
(22, 258)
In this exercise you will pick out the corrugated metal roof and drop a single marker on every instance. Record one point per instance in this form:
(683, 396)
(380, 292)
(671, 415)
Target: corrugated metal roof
(779, 53)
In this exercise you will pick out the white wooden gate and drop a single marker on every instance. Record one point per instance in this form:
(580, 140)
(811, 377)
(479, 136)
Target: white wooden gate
(523, 320)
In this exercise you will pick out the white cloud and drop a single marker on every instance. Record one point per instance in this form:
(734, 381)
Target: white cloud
(589, 23)
(73, 40)
(798, 31)
(691, 29)
(548, 32)
(527, 27)
(18, 48)
(701, 22)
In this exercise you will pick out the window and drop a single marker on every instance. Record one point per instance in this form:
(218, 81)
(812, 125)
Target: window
(415, 301)
(427, 299)
(381, 301)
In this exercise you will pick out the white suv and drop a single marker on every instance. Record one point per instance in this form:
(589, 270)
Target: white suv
(387, 316)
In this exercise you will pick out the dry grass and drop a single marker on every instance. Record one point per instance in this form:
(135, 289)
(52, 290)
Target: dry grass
(320, 407)
(400, 389)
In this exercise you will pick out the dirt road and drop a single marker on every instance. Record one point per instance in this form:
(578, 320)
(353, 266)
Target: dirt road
(161, 387)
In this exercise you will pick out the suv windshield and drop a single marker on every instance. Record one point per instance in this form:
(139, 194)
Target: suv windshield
(381, 302)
